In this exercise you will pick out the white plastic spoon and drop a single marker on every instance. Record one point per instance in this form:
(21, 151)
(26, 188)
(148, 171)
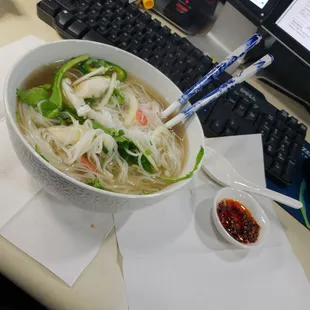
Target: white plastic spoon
(220, 170)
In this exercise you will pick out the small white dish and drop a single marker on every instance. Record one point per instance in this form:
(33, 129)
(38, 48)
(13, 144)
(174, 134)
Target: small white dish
(252, 205)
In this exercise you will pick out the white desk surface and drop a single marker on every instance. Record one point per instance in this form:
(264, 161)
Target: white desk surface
(101, 284)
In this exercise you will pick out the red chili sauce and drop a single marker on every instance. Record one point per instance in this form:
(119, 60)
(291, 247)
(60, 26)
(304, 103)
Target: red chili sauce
(238, 221)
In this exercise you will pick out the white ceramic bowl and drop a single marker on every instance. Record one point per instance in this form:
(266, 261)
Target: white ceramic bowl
(56, 182)
(252, 205)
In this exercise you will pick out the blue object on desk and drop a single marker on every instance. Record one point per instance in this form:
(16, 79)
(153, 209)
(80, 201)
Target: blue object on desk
(299, 189)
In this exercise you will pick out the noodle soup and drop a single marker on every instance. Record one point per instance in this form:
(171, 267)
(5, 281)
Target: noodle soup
(98, 124)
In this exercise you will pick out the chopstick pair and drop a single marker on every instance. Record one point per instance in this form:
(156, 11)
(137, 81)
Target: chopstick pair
(209, 77)
(224, 88)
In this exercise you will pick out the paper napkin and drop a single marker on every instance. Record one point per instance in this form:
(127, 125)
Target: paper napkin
(174, 257)
(62, 237)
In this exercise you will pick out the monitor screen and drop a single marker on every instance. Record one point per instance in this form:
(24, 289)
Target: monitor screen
(260, 3)
(295, 21)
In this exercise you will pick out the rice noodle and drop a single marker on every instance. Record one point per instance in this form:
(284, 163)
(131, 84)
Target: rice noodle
(64, 146)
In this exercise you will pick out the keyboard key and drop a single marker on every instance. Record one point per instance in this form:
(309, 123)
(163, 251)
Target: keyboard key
(228, 132)
(240, 109)
(133, 9)
(98, 6)
(69, 5)
(270, 150)
(277, 168)
(276, 133)
(165, 31)
(292, 122)
(282, 115)
(217, 126)
(233, 98)
(198, 55)
(286, 140)
(145, 54)
(77, 29)
(280, 158)
(180, 55)
(93, 35)
(145, 17)
(265, 135)
(155, 61)
(203, 114)
(50, 7)
(269, 118)
(207, 62)
(289, 171)
(154, 24)
(266, 126)
(295, 151)
(273, 141)
(64, 19)
(92, 22)
(290, 133)
(280, 125)
(300, 139)
(81, 15)
(302, 129)
(283, 148)
(186, 46)
(233, 125)
(175, 38)
(251, 116)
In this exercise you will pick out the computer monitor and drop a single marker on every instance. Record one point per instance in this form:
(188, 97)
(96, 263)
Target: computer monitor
(255, 10)
(289, 23)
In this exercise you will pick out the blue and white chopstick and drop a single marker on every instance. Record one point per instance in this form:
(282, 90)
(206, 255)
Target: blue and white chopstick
(216, 71)
(215, 94)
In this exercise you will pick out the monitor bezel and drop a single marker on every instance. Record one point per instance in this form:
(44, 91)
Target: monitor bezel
(277, 32)
(252, 11)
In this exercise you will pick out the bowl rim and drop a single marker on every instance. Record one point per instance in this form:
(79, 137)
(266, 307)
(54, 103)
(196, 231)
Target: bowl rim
(174, 186)
(255, 204)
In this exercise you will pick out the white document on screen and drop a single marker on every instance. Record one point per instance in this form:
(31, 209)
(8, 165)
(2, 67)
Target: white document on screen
(296, 22)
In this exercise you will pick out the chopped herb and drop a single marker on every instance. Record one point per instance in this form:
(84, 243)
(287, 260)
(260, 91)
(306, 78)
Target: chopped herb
(146, 164)
(119, 96)
(67, 111)
(94, 183)
(36, 148)
(90, 101)
(148, 153)
(17, 117)
(190, 174)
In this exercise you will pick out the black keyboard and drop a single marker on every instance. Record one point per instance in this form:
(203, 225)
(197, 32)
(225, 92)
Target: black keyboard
(241, 111)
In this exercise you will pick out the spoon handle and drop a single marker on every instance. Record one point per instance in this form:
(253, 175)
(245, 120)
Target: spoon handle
(288, 201)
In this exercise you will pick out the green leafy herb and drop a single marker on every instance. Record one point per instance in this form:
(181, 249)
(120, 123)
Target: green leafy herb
(39, 97)
(148, 152)
(124, 144)
(91, 64)
(119, 96)
(90, 101)
(190, 174)
(146, 164)
(120, 72)
(94, 183)
(56, 96)
(32, 96)
(67, 111)
(36, 148)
